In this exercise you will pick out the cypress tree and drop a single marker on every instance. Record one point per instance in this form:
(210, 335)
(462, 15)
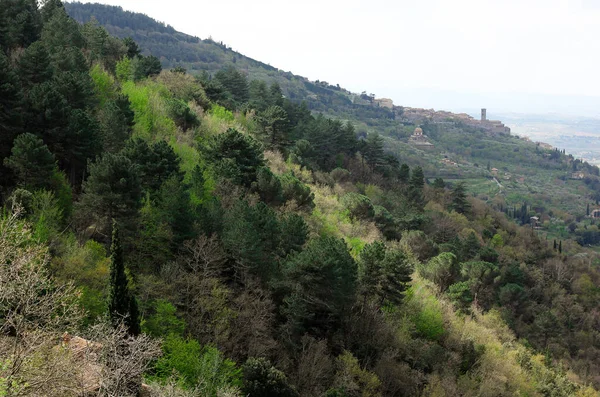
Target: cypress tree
(122, 306)
(560, 247)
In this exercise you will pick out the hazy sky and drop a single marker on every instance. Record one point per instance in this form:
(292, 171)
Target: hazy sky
(460, 54)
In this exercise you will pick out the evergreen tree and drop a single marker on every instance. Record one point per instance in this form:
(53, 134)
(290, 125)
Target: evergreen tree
(459, 198)
(122, 306)
(20, 24)
(439, 183)
(404, 173)
(235, 156)
(560, 247)
(112, 189)
(31, 162)
(415, 188)
(320, 282)
(34, 65)
(374, 150)
(132, 48)
(235, 83)
(275, 124)
(11, 101)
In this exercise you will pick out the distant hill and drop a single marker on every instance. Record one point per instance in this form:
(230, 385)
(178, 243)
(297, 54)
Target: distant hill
(197, 55)
(460, 151)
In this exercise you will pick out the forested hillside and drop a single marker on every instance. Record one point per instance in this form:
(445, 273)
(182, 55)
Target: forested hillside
(170, 234)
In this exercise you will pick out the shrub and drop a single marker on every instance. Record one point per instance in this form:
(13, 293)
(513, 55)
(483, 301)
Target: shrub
(294, 189)
(359, 206)
(261, 379)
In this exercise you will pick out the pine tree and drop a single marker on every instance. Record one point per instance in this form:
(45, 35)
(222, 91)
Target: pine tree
(459, 198)
(374, 150)
(31, 162)
(404, 173)
(34, 65)
(10, 110)
(122, 305)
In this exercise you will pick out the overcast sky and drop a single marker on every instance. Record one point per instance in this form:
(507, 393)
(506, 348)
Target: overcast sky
(507, 55)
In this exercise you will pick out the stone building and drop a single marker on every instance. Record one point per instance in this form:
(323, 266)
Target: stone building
(420, 140)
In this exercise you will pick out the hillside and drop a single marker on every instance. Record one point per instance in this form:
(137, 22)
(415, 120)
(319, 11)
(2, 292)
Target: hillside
(168, 234)
(526, 171)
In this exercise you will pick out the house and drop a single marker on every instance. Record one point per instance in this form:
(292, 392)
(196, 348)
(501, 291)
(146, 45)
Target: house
(578, 175)
(494, 171)
(595, 214)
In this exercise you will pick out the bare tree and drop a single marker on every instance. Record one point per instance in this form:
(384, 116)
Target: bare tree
(115, 361)
(34, 312)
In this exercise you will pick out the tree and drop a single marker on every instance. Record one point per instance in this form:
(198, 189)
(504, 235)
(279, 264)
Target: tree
(439, 183)
(20, 24)
(261, 379)
(442, 270)
(234, 156)
(459, 199)
(374, 150)
(31, 162)
(34, 65)
(132, 48)
(275, 124)
(415, 187)
(403, 173)
(235, 83)
(35, 310)
(112, 190)
(10, 109)
(156, 163)
(384, 274)
(319, 284)
(122, 305)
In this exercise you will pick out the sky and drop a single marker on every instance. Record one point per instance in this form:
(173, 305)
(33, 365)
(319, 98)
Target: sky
(536, 56)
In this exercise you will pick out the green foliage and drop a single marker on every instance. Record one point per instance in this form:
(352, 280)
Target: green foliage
(112, 189)
(122, 305)
(459, 199)
(34, 65)
(319, 282)
(202, 368)
(294, 233)
(234, 156)
(164, 321)
(359, 206)
(261, 379)
(268, 186)
(31, 161)
(383, 274)
(182, 115)
(294, 189)
(442, 270)
(352, 380)
(156, 163)
(10, 107)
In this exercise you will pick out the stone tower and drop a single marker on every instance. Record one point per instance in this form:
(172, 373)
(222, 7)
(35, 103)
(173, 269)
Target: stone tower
(483, 115)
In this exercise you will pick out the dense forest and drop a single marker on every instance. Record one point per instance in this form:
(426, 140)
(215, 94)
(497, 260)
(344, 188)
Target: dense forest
(170, 234)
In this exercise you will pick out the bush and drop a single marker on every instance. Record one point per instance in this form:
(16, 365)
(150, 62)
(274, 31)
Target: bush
(261, 379)
(359, 206)
(268, 186)
(294, 189)
(202, 368)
